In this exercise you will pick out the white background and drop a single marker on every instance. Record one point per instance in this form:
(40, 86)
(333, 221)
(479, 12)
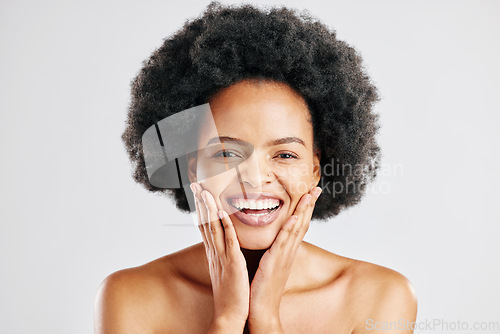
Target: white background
(71, 214)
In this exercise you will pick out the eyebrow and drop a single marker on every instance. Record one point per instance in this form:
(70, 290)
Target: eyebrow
(275, 142)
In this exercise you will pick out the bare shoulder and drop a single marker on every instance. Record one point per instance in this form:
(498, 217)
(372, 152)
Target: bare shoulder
(382, 281)
(376, 295)
(368, 279)
(130, 300)
(381, 297)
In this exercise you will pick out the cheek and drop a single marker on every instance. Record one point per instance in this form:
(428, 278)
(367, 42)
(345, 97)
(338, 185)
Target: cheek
(296, 178)
(214, 185)
(217, 184)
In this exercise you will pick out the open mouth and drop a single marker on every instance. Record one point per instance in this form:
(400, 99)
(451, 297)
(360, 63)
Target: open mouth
(256, 208)
(254, 212)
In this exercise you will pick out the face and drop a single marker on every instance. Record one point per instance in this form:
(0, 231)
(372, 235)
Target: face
(265, 130)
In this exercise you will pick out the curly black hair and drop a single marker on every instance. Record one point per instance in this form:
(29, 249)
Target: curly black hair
(227, 44)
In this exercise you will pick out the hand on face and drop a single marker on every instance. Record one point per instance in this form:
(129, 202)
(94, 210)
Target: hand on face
(274, 269)
(227, 266)
(233, 298)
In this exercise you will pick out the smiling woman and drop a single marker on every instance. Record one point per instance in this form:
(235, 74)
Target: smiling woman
(284, 165)
(285, 98)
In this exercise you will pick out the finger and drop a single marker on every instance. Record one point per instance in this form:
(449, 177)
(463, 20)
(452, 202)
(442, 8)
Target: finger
(308, 209)
(293, 231)
(231, 239)
(202, 214)
(300, 213)
(215, 227)
(200, 225)
(303, 226)
(288, 233)
(202, 208)
(315, 193)
(302, 205)
(283, 236)
(194, 189)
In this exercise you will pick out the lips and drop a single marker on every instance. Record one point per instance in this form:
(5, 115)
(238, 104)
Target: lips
(256, 216)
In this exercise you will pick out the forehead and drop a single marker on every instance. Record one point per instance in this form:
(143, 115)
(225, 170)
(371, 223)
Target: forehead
(259, 111)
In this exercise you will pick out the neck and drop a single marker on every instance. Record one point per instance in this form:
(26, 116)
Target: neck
(252, 258)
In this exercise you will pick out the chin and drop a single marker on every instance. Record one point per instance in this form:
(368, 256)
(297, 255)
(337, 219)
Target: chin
(256, 246)
(256, 242)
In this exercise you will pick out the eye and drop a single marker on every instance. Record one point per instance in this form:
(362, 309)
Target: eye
(289, 155)
(225, 154)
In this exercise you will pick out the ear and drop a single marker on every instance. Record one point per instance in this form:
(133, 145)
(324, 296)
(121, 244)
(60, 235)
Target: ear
(316, 168)
(192, 163)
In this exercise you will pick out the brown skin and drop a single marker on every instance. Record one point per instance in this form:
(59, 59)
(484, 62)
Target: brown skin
(298, 287)
(260, 112)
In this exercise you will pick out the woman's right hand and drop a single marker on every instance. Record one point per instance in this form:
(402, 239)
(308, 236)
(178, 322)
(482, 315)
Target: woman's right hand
(226, 263)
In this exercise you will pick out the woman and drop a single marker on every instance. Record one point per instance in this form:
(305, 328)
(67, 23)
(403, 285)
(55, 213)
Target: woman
(282, 84)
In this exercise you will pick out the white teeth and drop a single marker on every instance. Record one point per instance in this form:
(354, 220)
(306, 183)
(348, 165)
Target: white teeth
(241, 203)
(257, 214)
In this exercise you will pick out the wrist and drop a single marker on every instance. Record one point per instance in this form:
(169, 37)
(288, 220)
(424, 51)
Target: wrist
(226, 325)
(269, 325)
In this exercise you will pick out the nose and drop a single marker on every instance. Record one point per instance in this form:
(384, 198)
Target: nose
(256, 170)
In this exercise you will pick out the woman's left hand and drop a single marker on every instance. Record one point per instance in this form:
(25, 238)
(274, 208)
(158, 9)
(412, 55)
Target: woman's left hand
(270, 279)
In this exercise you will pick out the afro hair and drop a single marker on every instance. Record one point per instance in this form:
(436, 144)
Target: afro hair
(227, 44)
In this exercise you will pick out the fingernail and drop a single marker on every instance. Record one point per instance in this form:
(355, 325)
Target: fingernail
(221, 214)
(193, 188)
(294, 219)
(204, 195)
(318, 191)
